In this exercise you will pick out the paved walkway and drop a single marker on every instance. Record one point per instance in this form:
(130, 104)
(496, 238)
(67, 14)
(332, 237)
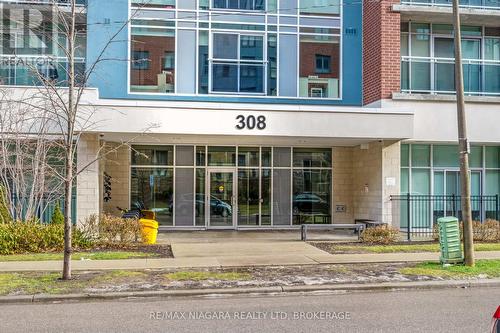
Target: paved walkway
(232, 261)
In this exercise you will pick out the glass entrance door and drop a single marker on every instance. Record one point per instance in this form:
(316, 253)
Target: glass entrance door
(220, 201)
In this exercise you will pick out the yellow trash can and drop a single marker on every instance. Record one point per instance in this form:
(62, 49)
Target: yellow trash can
(149, 231)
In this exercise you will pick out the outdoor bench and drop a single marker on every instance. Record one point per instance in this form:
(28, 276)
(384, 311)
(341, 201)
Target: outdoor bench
(358, 228)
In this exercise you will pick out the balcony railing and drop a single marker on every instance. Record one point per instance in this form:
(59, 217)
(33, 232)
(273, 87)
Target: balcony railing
(478, 4)
(31, 70)
(35, 2)
(437, 76)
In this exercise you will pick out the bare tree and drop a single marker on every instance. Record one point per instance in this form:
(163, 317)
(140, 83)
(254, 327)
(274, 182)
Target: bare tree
(60, 102)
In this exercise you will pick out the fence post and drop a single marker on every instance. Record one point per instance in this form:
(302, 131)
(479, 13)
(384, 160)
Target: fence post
(408, 212)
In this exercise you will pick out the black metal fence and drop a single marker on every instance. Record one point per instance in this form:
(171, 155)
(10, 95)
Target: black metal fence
(418, 214)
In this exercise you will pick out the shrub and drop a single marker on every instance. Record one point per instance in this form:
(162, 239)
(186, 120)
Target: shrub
(109, 229)
(380, 235)
(33, 237)
(488, 231)
(4, 208)
(57, 216)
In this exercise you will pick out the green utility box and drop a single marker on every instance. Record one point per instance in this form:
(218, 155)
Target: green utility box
(449, 241)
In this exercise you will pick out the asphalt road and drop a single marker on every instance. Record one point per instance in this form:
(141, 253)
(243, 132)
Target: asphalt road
(449, 310)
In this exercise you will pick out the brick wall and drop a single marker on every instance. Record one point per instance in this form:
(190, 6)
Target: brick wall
(381, 50)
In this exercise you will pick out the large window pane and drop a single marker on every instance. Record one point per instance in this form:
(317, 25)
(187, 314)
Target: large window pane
(420, 155)
(312, 158)
(251, 48)
(152, 60)
(320, 7)
(184, 197)
(445, 156)
(311, 196)
(272, 64)
(239, 4)
(200, 198)
(420, 45)
(203, 62)
(252, 78)
(225, 78)
(248, 156)
(225, 46)
(405, 155)
(152, 189)
(222, 156)
(248, 197)
(319, 66)
(281, 196)
(282, 157)
(420, 75)
(266, 196)
(493, 157)
(152, 155)
(184, 156)
(420, 181)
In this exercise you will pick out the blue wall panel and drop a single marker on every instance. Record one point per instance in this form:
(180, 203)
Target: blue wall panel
(107, 21)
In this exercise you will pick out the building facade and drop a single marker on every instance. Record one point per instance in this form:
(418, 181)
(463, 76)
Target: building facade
(274, 113)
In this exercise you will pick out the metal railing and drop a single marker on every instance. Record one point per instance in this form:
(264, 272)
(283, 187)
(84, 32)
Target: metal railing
(417, 214)
(43, 2)
(436, 76)
(477, 4)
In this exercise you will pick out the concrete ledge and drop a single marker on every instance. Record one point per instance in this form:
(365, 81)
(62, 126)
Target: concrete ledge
(442, 14)
(387, 286)
(398, 96)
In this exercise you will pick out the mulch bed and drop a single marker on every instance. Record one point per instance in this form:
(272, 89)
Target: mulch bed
(331, 247)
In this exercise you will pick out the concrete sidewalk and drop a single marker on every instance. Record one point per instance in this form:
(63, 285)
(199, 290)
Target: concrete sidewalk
(232, 261)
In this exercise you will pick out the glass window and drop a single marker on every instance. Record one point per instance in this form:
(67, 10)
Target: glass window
(445, 156)
(476, 157)
(200, 198)
(492, 157)
(184, 196)
(420, 45)
(222, 156)
(265, 197)
(319, 66)
(420, 155)
(203, 65)
(420, 181)
(152, 189)
(248, 156)
(420, 76)
(405, 155)
(238, 64)
(266, 157)
(281, 157)
(152, 155)
(200, 156)
(404, 45)
(312, 158)
(239, 4)
(281, 196)
(225, 46)
(492, 49)
(184, 156)
(311, 196)
(248, 196)
(272, 68)
(153, 60)
(320, 7)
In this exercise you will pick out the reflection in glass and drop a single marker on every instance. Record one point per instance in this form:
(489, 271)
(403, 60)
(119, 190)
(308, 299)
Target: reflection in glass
(266, 197)
(312, 158)
(152, 155)
(221, 199)
(200, 197)
(152, 60)
(248, 156)
(152, 189)
(319, 66)
(248, 197)
(312, 196)
(222, 156)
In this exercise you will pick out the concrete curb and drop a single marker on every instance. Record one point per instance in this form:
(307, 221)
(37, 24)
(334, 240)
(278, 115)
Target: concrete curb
(386, 286)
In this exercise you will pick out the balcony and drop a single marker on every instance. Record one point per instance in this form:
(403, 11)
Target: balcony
(473, 12)
(43, 2)
(427, 75)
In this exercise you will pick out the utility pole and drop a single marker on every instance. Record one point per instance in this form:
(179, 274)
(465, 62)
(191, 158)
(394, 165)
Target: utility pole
(463, 142)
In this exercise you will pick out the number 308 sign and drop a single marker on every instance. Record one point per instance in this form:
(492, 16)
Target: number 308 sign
(251, 122)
